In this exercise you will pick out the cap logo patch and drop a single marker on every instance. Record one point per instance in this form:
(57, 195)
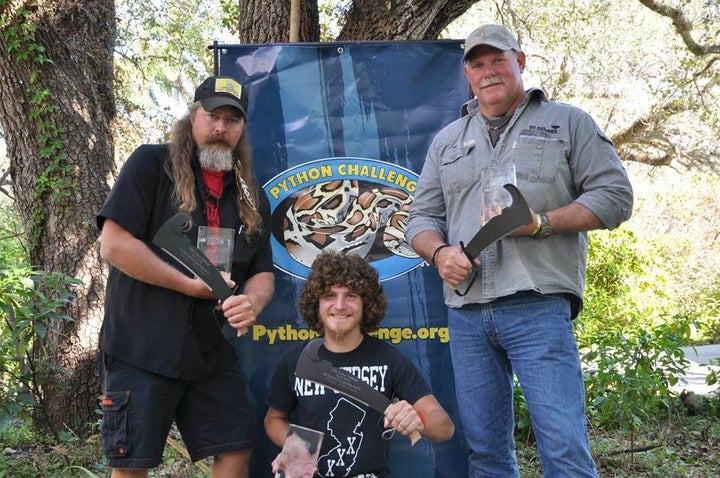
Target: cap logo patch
(229, 86)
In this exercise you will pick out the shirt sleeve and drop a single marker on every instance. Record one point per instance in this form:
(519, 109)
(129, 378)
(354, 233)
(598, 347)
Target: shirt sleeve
(600, 178)
(132, 198)
(409, 383)
(281, 394)
(428, 209)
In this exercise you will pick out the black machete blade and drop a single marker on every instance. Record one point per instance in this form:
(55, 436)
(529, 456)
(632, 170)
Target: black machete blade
(511, 219)
(311, 367)
(171, 239)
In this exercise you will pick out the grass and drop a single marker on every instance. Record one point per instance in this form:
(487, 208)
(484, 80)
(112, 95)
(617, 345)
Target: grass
(687, 448)
(690, 449)
(27, 454)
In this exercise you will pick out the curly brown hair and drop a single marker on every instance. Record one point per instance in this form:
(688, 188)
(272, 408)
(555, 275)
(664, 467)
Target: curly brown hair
(344, 270)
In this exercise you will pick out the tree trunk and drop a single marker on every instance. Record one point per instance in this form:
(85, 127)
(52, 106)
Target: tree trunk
(58, 112)
(268, 21)
(401, 19)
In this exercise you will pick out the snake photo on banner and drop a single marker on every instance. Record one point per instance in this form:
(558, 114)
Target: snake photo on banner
(339, 216)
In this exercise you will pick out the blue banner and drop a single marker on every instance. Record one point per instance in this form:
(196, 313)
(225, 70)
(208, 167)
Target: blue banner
(339, 132)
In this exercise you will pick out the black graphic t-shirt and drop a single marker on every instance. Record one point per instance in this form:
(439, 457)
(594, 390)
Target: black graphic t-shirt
(352, 444)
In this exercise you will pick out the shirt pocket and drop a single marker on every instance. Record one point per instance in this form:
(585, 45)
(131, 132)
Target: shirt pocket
(459, 169)
(538, 159)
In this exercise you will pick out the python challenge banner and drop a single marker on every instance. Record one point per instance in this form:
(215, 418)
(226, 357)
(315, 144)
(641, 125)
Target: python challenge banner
(339, 132)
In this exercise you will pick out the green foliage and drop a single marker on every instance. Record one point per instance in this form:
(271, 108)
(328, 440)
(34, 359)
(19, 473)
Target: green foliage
(691, 449)
(713, 377)
(11, 247)
(628, 283)
(709, 323)
(523, 425)
(629, 334)
(631, 331)
(31, 302)
(230, 14)
(332, 18)
(161, 53)
(32, 454)
(674, 221)
(21, 433)
(19, 34)
(630, 373)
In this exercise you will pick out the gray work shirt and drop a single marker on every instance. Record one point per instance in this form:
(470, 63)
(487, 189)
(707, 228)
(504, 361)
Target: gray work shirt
(560, 155)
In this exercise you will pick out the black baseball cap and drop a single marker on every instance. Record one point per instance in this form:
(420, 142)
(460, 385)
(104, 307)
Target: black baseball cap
(219, 91)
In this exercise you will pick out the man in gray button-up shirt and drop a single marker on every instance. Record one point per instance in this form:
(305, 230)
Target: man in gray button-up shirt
(511, 311)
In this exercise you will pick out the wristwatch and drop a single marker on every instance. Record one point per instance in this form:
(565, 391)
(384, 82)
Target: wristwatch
(545, 227)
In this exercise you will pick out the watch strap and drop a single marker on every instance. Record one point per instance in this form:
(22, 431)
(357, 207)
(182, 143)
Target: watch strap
(545, 226)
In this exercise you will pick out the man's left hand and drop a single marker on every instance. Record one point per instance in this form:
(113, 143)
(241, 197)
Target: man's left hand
(240, 312)
(403, 417)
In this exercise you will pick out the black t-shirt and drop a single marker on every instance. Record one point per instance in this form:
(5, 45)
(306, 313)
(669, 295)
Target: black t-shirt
(152, 327)
(352, 444)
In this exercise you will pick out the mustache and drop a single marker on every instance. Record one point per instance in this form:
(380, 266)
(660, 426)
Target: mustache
(215, 138)
(493, 80)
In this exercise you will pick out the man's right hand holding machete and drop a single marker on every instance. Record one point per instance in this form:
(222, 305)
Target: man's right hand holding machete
(516, 217)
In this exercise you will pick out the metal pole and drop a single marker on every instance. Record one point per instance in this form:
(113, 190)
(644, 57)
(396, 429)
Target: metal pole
(216, 53)
(294, 21)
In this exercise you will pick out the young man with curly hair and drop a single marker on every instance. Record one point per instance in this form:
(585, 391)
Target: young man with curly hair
(343, 301)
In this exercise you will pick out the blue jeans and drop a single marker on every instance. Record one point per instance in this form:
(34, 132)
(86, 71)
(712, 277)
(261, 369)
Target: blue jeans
(530, 335)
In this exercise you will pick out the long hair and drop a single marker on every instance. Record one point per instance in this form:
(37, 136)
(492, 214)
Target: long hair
(343, 270)
(182, 151)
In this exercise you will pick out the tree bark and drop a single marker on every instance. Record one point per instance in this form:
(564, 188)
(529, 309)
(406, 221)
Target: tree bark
(401, 19)
(683, 26)
(268, 21)
(69, 56)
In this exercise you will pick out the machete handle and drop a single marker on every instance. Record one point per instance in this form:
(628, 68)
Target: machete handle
(467, 254)
(472, 263)
(414, 435)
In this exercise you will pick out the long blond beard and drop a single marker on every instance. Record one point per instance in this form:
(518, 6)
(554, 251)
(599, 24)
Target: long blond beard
(216, 157)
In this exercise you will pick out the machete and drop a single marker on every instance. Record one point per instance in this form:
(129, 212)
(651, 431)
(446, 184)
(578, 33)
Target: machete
(510, 219)
(311, 367)
(171, 239)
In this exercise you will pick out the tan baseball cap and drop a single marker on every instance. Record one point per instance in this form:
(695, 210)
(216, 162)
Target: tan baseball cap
(496, 36)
